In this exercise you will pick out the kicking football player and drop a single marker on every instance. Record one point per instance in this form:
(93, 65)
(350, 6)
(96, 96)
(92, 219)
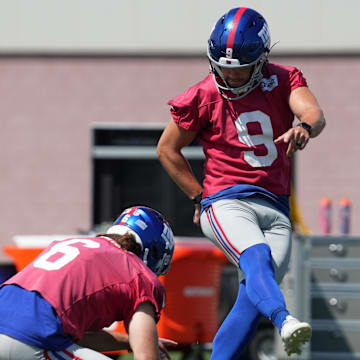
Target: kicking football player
(243, 113)
(57, 306)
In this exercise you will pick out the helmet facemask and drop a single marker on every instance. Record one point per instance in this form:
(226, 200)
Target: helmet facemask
(223, 86)
(157, 260)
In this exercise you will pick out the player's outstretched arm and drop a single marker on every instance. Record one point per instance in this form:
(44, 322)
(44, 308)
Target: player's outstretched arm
(104, 340)
(143, 336)
(306, 108)
(107, 340)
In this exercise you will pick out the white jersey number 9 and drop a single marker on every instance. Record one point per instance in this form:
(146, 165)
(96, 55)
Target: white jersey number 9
(66, 253)
(266, 138)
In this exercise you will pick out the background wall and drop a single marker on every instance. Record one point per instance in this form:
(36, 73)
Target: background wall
(66, 65)
(163, 26)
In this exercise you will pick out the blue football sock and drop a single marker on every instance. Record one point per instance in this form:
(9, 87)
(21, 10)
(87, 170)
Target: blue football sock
(237, 329)
(261, 286)
(278, 316)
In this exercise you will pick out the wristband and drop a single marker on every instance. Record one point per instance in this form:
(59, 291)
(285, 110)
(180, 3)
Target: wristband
(197, 199)
(305, 126)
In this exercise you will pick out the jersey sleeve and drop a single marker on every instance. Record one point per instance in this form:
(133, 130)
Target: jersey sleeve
(296, 79)
(187, 111)
(141, 290)
(290, 79)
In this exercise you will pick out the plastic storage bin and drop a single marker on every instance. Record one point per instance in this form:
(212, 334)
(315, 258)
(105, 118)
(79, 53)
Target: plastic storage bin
(191, 314)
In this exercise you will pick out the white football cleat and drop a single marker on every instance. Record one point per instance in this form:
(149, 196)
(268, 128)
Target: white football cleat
(294, 334)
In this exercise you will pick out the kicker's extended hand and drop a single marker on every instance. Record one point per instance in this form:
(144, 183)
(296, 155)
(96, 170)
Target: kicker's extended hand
(296, 138)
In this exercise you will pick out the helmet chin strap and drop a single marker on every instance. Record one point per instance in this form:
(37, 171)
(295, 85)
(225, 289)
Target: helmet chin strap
(240, 91)
(243, 90)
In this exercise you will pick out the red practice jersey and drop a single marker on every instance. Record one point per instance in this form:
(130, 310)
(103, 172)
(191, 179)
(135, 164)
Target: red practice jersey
(238, 136)
(91, 283)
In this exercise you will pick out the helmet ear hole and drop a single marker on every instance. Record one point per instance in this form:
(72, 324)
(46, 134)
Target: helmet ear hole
(154, 252)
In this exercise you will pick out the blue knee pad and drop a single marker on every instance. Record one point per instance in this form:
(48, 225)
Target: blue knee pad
(261, 287)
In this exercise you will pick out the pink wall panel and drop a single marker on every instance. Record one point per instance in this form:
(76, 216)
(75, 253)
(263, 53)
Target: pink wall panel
(48, 105)
(330, 166)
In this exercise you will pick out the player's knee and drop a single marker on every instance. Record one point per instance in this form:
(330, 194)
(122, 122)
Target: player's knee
(256, 258)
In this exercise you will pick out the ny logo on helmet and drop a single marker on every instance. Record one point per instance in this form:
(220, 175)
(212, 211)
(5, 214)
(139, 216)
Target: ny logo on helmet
(264, 34)
(167, 236)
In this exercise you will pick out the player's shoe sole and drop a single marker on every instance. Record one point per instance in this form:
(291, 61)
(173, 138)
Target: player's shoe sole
(294, 334)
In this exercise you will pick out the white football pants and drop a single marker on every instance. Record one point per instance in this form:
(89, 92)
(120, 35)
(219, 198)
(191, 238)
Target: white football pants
(236, 224)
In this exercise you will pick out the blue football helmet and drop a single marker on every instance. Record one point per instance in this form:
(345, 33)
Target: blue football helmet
(152, 232)
(239, 39)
